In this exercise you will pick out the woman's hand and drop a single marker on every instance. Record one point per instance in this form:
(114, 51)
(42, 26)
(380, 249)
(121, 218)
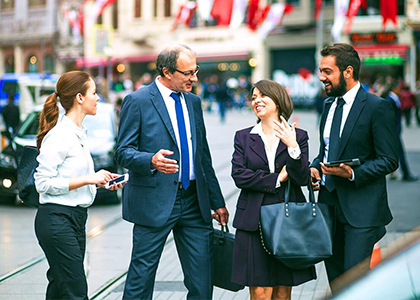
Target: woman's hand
(286, 133)
(283, 174)
(101, 177)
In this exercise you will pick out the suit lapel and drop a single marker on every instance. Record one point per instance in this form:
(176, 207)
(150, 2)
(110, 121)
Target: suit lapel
(192, 121)
(257, 146)
(327, 106)
(160, 106)
(281, 147)
(357, 107)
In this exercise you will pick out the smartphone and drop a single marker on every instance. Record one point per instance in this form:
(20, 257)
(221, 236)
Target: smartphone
(120, 179)
(350, 162)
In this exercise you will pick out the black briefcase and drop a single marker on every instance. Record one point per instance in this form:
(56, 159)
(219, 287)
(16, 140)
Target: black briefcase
(26, 181)
(223, 258)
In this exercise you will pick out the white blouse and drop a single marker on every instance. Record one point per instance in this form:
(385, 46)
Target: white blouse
(64, 154)
(271, 153)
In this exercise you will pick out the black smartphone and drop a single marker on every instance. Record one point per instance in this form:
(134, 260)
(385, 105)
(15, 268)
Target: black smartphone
(350, 162)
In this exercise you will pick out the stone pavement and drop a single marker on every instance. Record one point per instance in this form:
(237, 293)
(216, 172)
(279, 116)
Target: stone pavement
(108, 254)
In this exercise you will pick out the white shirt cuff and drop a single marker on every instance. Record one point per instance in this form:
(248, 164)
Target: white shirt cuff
(353, 177)
(278, 183)
(294, 152)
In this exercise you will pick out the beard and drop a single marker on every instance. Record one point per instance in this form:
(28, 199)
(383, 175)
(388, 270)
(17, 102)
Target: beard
(339, 90)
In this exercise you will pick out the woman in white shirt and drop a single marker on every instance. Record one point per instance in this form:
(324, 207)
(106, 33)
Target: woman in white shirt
(66, 182)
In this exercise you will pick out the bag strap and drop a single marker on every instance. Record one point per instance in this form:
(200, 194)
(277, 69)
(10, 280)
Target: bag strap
(310, 189)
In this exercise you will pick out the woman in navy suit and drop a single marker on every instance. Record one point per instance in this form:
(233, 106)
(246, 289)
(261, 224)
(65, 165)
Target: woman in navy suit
(266, 155)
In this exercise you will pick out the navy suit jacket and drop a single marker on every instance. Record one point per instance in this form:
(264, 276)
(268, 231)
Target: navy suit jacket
(251, 174)
(369, 134)
(145, 128)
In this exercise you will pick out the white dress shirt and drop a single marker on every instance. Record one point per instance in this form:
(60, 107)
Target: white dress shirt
(170, 106)
(64, 154)
(348, 103)
(271, 152)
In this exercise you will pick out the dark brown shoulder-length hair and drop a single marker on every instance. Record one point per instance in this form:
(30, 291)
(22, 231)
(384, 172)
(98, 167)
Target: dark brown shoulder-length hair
(278, 94)
(68, 86)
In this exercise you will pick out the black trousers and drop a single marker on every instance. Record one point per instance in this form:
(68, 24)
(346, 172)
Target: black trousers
(351, 245)
(61, 234)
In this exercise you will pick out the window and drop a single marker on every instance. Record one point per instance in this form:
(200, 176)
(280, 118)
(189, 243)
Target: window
(115, 15)
(295, 2)
(9, 64)
(155, 8)
(167, 8)
(374, 8)
(49, 63)
(32, 64)
(7, 4)
(32, 3)
(137, 9)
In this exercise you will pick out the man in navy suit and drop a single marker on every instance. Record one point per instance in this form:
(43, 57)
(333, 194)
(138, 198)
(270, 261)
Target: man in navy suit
(354, 124)
(172, 187)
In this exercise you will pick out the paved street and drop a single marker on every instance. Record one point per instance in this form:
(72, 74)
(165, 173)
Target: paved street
(109, 238)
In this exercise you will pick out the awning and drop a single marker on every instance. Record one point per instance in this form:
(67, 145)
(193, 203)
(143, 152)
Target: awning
(381, 51)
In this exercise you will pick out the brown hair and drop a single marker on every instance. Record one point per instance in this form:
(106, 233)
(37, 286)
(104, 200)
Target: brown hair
(68, 86)
(278, 94)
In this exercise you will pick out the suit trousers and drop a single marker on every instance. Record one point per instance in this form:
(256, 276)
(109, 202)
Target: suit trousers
(351, 245)
(193, 240)
(61, 234)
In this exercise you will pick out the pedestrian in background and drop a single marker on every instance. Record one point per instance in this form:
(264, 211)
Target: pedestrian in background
(11, 116)
(407, 100)
(354, 124)
(265, 156)
(417, 104)
(65, 180)
(393, 96)
(223, 99)
(173, 187)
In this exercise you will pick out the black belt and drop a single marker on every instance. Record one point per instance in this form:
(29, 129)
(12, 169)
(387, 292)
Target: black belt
(192, 183)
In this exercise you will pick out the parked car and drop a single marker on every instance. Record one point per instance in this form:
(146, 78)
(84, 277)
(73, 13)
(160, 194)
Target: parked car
(101, 137)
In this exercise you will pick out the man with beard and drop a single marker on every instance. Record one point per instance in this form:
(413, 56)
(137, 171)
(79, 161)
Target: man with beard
(354, 124)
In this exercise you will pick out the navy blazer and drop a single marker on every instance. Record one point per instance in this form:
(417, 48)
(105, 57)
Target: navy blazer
(251, 174)
(145, 128)
(370, 134)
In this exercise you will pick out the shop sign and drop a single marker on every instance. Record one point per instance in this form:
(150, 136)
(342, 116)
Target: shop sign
(374, 38)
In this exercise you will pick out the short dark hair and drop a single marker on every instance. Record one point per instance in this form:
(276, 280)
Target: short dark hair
(345, 56)
(168, 58)
(278, 94)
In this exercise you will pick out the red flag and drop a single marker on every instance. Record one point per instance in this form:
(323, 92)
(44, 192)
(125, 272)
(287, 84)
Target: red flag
(222, 11)
(353, 9)
(185, 13)
(318, 7)
(389, 11)
(252, 12)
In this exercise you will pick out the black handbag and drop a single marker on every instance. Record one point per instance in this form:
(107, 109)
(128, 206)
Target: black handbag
(298, 234)
(223, 258)
(26, 181)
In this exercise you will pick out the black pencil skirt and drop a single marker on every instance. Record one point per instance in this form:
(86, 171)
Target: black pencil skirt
(61, 234)
(253, 266)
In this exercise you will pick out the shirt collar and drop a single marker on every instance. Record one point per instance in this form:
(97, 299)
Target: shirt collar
(164, 91)
(351, 94)
(257, 129)
(79, 131)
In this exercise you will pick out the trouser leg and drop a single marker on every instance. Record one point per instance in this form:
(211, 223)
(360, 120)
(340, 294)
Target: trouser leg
(61, 234)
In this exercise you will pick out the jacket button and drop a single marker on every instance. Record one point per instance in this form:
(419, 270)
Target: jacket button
(175, 182)
(277, 166)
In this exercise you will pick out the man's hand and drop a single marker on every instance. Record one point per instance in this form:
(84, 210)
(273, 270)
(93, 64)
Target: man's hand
(163, 164)
(315, 178)
(221, 215)
(342, 170)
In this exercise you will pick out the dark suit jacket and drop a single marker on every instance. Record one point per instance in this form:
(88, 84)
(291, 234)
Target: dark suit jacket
(145, 128)
(370, 135)
(251, 174)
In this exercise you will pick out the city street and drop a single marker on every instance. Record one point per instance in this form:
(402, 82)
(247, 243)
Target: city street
(23, 266)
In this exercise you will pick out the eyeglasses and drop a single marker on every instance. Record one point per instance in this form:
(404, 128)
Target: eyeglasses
(189, 73)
